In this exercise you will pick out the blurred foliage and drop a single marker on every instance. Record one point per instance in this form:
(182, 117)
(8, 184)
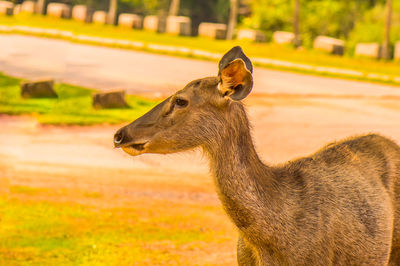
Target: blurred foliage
(199, 11)
(356, 21)
(205, 11)
(370, 28)
(270, 15)
(335, 18)
(330, 17)
(145, 7)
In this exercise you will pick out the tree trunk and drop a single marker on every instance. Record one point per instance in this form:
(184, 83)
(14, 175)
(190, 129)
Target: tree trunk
(174, 8)
(112, 12)
(386, 38)
(232, 19)
(296, 22)
(40, 7)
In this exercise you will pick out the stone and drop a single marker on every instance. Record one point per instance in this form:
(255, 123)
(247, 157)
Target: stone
(283, 37)
(212, 30)
(82, 13)
(59, 10)
(154, 23)
(28, 7)
(130, 21)
(6, 8)
(179, 25)
(17, 9)
(38, 89)
(370, 50)
(150, 23)
(397, 51)
(107, 100)
(330, 45)
(99, 17)
(252, 35)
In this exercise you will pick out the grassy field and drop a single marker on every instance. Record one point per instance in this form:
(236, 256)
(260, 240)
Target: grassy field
(73, 106)
(41, 226)
(267, 50)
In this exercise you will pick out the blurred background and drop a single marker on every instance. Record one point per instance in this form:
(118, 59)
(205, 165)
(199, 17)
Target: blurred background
(73, 72)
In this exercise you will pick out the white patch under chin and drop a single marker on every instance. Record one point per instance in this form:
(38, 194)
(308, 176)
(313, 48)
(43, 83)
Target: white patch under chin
(131, 151)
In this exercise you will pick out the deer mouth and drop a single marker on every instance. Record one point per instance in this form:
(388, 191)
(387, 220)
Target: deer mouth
(138, 146)
(135, 149)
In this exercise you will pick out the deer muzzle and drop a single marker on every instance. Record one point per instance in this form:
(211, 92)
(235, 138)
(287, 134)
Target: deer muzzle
(135, 137)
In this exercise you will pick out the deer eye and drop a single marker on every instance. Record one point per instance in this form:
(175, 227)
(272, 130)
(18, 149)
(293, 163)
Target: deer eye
(181, 102)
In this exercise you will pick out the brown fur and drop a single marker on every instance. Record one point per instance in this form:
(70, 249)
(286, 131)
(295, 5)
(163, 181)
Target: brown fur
(339, 206)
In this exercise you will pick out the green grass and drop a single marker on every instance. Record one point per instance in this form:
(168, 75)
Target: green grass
(72, 107)
(268, 50)
(36, 231)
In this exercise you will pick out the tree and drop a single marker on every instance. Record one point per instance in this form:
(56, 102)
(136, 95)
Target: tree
(112, 12)
(40, 7)
(296, 22)
(232, 19)
(174, 8)
(386, 37)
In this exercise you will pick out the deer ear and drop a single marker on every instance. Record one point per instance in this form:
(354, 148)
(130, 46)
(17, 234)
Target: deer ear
(235, 73)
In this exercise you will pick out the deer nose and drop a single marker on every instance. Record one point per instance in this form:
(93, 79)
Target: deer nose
(118, 137)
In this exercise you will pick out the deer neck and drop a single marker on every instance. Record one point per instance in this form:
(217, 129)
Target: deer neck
(243, 182)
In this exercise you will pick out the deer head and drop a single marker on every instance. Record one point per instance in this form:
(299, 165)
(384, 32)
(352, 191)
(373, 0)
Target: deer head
(194, 115)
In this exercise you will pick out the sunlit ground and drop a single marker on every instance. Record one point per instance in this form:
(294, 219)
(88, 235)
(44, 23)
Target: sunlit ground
(38, 229)
(60, 226)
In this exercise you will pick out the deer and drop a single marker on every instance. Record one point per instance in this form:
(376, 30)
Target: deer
(338, 206)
